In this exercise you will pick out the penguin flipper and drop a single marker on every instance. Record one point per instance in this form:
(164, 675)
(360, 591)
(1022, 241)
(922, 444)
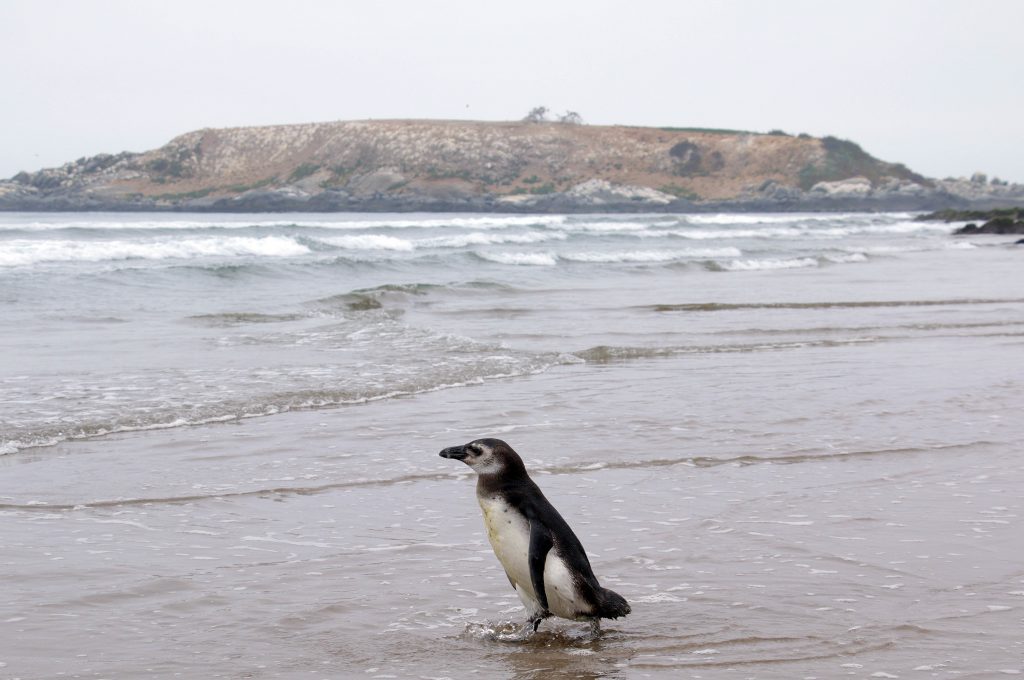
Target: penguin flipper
(540, 544)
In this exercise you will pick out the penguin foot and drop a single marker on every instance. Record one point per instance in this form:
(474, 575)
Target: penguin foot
(536, 618)
(522, 633)
(595, 627)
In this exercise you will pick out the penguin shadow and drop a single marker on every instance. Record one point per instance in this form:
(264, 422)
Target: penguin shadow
(554, 651)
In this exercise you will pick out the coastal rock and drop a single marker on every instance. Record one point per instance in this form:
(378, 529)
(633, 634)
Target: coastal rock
(858, 187)
(11, 191)
(997, 221)
(902, 187)
(998, 225)
(601, 192)
(968, 191)
(772, 190)
(376, 182)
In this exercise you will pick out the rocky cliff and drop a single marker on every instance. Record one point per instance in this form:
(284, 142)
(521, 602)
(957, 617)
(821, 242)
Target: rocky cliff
(465, 165)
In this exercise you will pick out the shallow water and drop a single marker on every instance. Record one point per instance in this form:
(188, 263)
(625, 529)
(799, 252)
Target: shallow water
(791, 472)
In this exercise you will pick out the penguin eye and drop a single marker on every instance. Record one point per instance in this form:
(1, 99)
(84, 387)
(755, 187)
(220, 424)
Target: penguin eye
(475, 451)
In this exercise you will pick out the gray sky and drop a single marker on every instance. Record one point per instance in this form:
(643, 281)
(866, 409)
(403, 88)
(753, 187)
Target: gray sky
(934, 84)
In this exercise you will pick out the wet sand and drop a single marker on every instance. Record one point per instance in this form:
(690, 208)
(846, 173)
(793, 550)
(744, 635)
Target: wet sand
(834, 533)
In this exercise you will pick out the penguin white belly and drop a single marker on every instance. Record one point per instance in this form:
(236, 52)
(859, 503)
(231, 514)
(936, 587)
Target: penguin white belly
(563, 598)
(509, 534)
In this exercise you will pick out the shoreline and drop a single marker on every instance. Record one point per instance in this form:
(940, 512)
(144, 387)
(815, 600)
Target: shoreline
(273, 203)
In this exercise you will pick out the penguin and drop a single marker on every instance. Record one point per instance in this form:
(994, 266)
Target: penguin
(543, 559)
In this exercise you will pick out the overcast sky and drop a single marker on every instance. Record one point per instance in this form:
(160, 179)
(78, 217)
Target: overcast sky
(934, 84)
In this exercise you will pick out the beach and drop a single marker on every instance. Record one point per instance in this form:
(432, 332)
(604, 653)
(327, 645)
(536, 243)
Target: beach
(792, 442)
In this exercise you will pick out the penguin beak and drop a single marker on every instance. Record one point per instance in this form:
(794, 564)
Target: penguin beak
(456, 452)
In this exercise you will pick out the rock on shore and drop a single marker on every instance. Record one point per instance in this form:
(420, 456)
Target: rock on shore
(481, 166)
(997, 225)
(1000, 221)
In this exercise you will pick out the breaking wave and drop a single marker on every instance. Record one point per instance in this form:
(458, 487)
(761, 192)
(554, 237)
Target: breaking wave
(772, 263)
(22, 252)
(531, 259)
(650, 255)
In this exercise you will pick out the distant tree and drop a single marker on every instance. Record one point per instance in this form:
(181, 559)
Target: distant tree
(537, 114)
(571, 118)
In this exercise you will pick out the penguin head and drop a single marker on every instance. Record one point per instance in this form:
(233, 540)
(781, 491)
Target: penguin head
(487, 457)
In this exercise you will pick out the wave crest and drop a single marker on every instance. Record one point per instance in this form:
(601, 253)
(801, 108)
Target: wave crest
(23, 252)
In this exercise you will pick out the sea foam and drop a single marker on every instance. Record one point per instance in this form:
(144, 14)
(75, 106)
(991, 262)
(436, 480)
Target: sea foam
(653, 256)
(23, 252)
(753, 265)
(532, 259)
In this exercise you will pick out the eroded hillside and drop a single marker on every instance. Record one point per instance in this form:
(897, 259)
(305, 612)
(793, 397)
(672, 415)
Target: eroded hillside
(475, 165)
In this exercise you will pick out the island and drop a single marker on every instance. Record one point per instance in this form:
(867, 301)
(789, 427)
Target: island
(521, 166)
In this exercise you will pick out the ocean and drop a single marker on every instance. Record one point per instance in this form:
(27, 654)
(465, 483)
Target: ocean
(791, 441)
